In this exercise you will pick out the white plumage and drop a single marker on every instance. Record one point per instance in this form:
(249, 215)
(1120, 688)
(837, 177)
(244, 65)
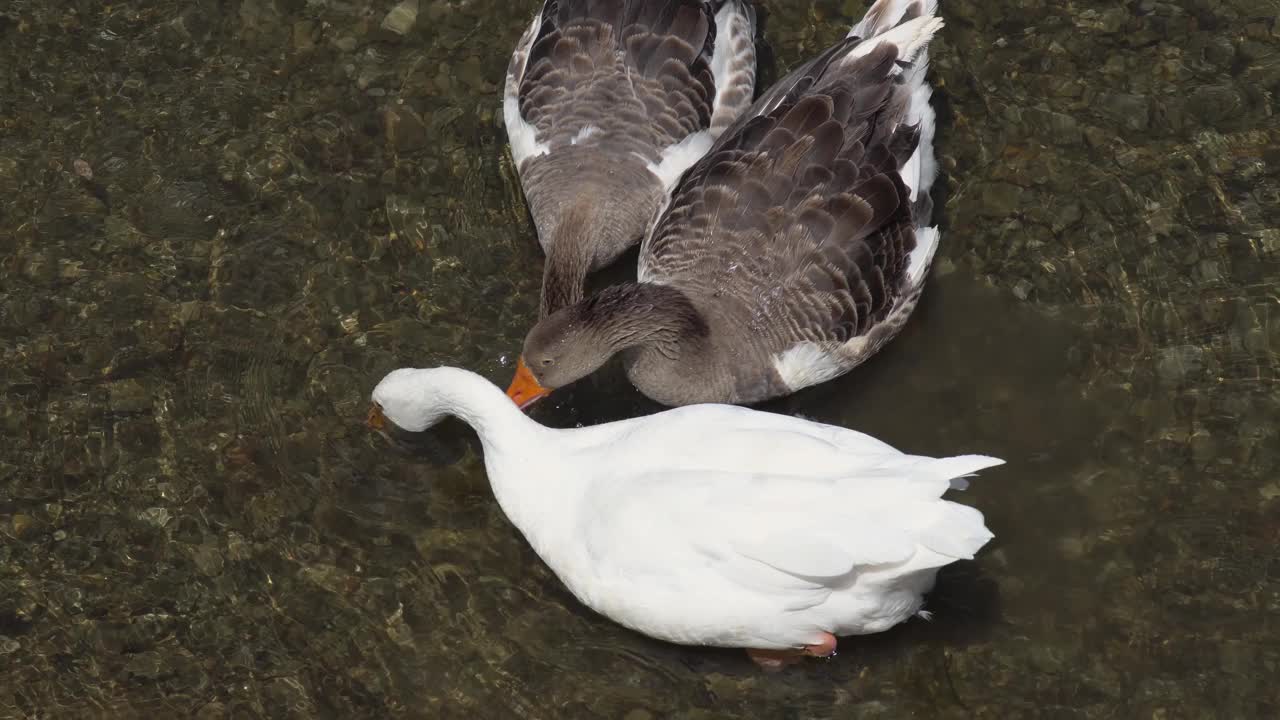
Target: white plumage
(714, 524)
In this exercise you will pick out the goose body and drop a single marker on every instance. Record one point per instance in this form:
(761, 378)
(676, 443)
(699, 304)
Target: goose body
(607, 103)
(789, 253)
(715, 524)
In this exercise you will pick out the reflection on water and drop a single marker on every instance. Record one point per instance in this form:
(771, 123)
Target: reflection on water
(223, 222)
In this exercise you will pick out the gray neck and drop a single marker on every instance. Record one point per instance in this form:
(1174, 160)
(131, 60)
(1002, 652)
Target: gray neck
(565, 273)
(635, 316)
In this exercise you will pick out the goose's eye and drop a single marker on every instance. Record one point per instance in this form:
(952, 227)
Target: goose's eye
(546, 362)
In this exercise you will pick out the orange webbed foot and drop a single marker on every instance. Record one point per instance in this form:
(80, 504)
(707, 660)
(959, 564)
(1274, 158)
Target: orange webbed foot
(775, 660)
(826, 647)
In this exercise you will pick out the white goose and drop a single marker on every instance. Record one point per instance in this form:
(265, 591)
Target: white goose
(714, 524)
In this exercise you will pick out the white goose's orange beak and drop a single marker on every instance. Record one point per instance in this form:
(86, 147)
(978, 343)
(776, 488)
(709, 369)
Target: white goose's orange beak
(376, 420)
(525, 389)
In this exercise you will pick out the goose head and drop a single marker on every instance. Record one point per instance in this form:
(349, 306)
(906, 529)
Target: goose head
(575, 341)
(407, 399)
(564, 347)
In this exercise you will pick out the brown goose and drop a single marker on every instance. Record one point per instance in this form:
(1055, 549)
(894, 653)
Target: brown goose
(788, 254)
(607, 103)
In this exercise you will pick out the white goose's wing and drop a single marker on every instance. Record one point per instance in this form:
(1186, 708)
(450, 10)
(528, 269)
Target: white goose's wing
(777, 535)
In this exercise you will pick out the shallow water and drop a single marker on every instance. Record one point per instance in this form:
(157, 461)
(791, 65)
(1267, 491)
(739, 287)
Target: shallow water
(222, 222)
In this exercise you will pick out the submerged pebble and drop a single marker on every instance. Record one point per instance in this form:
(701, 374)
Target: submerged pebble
(402, 17)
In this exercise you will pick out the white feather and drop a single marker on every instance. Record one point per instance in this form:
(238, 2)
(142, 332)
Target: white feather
(922, 255)
(911, 39)
(884, 14)
(679, 157)
(810, 363)
(714, 524)
(522, 136)
(586, 132)
(921, 169)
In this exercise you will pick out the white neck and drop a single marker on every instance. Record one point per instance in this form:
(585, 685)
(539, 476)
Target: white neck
(527, 463)
(480, 404)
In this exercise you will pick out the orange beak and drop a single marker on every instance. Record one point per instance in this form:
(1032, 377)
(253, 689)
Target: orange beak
(525, 389)
(376, 420)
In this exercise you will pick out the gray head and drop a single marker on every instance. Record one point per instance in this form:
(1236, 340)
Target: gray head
(575, 341)
(567, 345)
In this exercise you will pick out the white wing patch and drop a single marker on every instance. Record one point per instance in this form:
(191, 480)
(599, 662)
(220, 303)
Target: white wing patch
(522, 136)
(922, 255)
(677, 158)
(884, 14)
(586, 132)
(911, 39)
(921, 169)
(810, 363)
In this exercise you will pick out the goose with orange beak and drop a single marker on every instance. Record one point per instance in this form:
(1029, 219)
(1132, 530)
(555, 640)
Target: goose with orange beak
(714, 525)
(525, 390)
(792, 251)
(573, 342)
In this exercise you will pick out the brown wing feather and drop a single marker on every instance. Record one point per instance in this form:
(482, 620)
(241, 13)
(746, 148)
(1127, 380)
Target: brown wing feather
(638, 72)
(798, 212)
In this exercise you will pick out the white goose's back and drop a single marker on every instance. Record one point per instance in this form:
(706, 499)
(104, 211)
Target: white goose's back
(732, 438)
(719, 525)
(764, 561)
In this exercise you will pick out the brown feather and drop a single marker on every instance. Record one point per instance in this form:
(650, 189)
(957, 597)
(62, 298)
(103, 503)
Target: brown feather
(607, 86)
(805, 203)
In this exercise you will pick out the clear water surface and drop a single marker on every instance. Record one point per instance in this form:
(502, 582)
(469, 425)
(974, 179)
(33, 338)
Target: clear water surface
(221, 221)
